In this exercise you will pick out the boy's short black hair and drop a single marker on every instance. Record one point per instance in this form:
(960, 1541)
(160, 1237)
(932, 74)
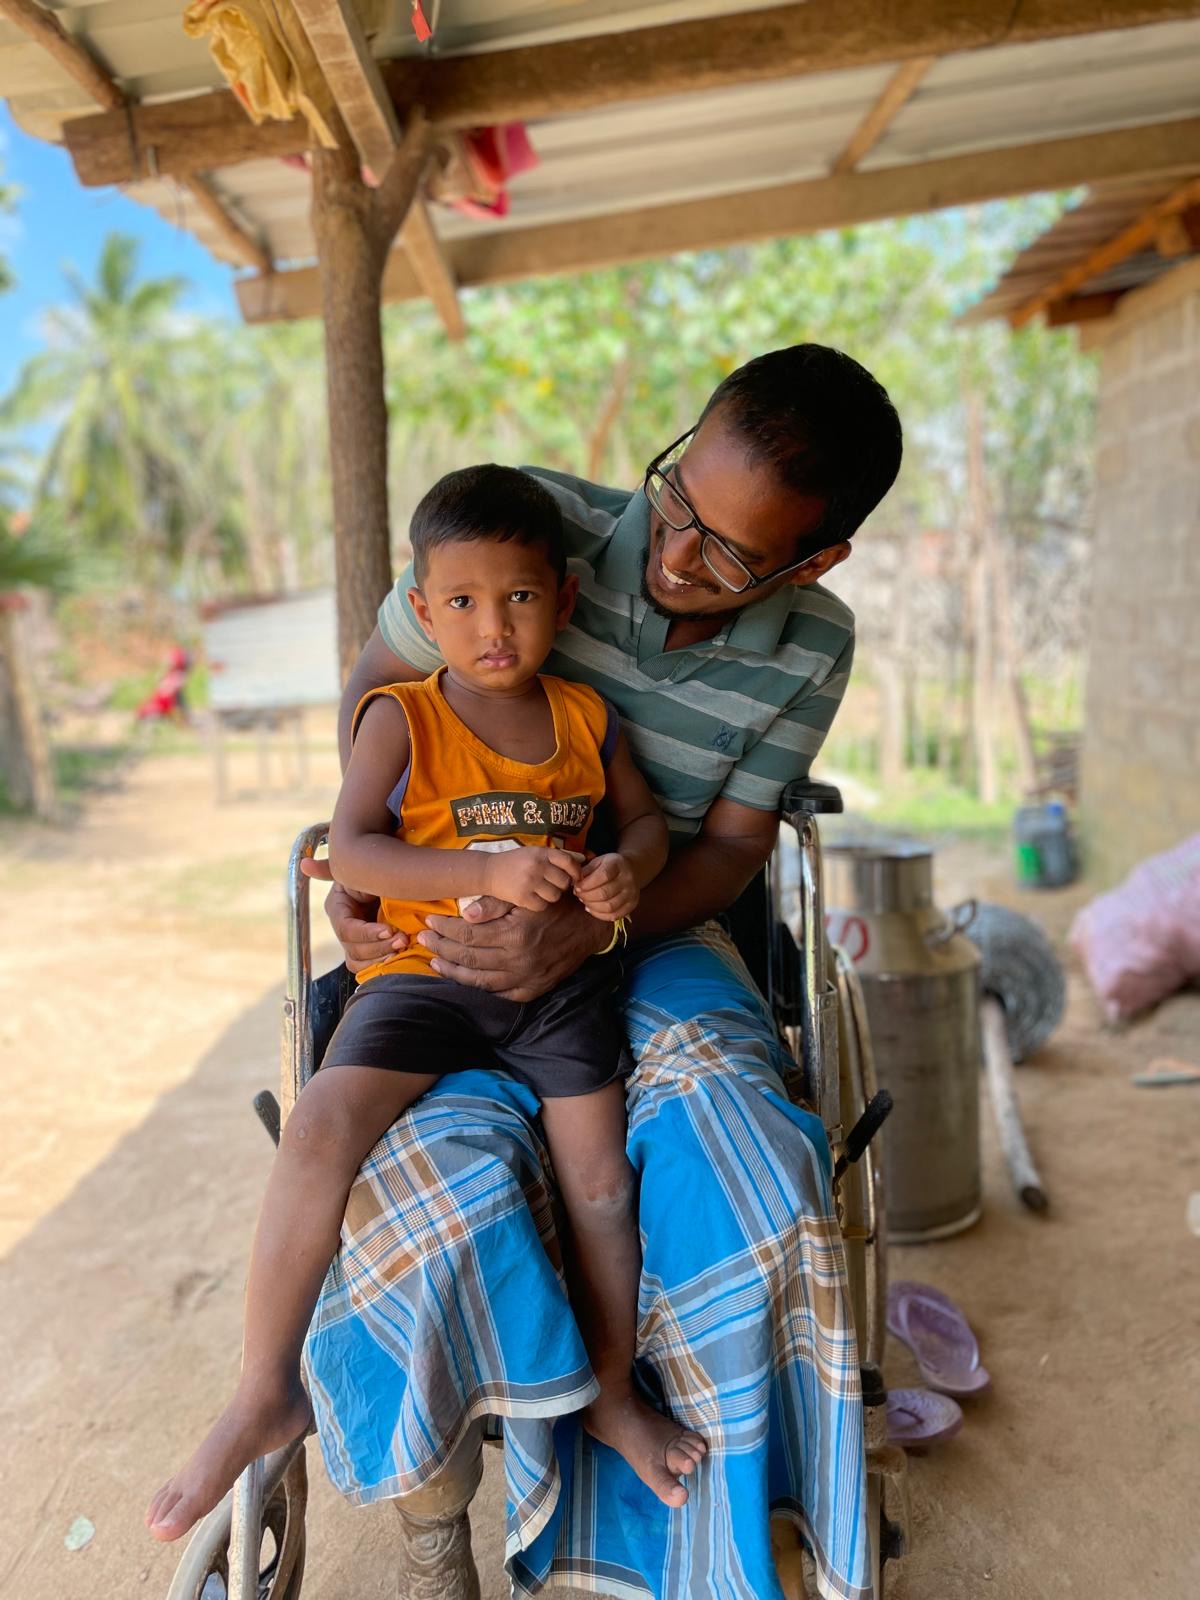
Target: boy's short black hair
(822, 422)
(487, 502)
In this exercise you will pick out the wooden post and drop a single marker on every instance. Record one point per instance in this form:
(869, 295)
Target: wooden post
(30, 764)
(354, 228)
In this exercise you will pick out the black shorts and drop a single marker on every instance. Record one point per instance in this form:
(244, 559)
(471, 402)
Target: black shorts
(568, 1042)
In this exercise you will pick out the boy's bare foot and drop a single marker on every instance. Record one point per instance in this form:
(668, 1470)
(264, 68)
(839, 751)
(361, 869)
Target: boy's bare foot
(251, 1425)
(656, 1447)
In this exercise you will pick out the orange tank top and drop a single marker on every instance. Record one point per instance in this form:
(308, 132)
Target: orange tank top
(458, 793)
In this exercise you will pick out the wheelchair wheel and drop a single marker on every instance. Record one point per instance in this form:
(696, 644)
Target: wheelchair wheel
(203, 1573)
(860, 1192)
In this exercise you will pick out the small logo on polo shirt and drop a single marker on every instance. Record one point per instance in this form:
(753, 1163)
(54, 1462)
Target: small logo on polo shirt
(723, 738)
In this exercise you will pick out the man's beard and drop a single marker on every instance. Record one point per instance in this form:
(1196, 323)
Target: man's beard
(661, 610)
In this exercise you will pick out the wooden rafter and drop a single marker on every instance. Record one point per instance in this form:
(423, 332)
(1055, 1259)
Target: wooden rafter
(211, 131)
(424, 252)
(899, 90)
(508, 255)
(1083, 308)
(44, 28)
(343, 55)
(76, 58)
(1140, 233)
(243, 245)
(1179, 234)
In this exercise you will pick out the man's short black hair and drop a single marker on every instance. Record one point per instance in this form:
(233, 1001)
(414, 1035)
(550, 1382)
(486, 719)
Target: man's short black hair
(487, 502)
(822, 422)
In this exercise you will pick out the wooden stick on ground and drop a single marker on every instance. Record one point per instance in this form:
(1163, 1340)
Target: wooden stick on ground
(1002, 1086)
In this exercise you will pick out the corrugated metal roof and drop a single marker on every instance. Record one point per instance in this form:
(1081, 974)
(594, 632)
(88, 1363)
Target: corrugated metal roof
(1104, 212)
(274, 653)
(643, 152)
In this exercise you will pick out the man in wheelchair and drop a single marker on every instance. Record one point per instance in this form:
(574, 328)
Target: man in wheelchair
(700, 616)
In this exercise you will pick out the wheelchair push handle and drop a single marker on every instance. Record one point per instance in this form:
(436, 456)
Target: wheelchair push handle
(806, 798)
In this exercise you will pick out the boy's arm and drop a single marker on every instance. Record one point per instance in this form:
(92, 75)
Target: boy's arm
(610, 885)
(365, 855)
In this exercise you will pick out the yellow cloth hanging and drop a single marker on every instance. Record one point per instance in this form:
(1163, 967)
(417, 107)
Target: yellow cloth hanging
(263, 51)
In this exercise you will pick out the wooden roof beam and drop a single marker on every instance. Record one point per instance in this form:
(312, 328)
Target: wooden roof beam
(1140, 233)
(354, 80)
(433, 272)
(75, 58)
(1179, 235)
(1083, 308)
(509, 254)
(899, 90)
(521, 85)
(244, 246)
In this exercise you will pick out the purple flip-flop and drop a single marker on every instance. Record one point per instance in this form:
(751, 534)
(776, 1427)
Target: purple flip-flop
(937, 1333)
(917, 1417)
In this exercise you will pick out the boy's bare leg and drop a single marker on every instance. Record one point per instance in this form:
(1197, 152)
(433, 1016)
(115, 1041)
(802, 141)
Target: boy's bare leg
(342, 1112)
(586, 1136)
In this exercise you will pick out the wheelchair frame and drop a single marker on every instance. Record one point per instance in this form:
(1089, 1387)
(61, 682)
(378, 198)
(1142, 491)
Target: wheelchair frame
(817, 1002)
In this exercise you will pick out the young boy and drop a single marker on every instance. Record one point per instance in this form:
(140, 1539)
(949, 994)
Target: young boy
(483, 779)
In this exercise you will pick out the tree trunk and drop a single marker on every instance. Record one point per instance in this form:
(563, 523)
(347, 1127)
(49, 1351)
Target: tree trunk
(891, 723)
(893, 691)
(29, 763)
(611, 410)
(982, 699)
(1017, 700)
(354, 228)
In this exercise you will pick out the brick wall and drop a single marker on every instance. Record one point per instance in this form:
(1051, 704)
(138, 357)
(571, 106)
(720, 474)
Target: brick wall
(1140, 780)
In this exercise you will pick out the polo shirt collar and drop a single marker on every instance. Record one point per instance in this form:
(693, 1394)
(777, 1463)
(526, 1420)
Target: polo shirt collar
(621, 565)
(758, 629)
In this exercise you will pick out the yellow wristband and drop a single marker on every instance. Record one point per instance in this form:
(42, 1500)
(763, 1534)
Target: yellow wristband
(620, 932)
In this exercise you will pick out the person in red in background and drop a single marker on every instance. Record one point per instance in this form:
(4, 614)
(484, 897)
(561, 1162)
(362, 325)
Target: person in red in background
(166, 700)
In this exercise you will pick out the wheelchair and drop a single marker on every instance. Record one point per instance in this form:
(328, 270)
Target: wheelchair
(251, 1546)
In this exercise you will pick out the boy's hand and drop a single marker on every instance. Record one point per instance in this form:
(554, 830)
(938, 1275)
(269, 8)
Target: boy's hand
(532, 877)
(607, 888)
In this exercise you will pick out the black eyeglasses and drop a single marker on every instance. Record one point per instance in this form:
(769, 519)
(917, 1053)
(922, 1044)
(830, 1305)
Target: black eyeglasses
(673, 507)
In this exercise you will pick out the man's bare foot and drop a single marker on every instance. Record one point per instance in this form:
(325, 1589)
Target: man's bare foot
(251, 1425)
(656, 1447)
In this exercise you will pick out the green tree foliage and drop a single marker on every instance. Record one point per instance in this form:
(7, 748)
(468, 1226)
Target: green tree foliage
(118, 385)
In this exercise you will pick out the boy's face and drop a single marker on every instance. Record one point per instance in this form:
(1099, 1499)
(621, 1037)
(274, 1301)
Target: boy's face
(492, 607)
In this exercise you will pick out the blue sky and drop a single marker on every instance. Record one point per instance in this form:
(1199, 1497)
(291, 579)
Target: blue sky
(57, 220)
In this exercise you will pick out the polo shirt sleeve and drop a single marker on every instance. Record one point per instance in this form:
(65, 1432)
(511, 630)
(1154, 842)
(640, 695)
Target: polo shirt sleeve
(788, 748)
(400, 630)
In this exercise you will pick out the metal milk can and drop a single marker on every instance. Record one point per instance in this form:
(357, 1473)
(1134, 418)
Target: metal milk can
(920, 980)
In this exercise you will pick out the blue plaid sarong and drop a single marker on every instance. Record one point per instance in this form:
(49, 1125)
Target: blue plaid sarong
(446, 1303)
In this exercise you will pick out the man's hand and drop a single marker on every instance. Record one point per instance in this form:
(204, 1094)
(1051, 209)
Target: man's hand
(363, 941)
(533, 877)
(607, 888)
(514, 953)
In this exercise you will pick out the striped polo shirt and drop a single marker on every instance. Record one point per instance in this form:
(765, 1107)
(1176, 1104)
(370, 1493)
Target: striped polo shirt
(740, 715)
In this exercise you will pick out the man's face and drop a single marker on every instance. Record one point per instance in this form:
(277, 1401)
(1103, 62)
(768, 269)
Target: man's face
(761, 519)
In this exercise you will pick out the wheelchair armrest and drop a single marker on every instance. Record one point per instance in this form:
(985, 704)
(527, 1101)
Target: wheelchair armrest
(806, 798)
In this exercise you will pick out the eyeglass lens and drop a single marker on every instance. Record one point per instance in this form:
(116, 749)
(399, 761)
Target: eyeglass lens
(677, 514)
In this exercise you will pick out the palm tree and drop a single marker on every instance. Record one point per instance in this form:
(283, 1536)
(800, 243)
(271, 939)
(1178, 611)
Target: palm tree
(121, 464)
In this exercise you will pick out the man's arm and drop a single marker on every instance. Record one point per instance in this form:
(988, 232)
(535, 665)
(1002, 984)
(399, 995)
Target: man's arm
(705, 876)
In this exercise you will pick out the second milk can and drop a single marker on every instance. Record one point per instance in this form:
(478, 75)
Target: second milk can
(920, 979)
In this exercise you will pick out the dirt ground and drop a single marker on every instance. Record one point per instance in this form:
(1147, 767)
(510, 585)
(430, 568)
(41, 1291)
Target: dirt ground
(141, 958)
